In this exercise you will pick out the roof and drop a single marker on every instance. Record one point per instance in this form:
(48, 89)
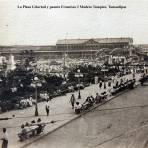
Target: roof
(71, 41)
(98, 40)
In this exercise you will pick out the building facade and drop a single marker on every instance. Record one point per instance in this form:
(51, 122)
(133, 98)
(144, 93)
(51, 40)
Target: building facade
(73, 48)
(87, 48)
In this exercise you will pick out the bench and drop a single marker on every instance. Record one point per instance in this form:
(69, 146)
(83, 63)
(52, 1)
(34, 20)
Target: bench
(103, 96)
(34, 131)
(78, 111)
(86, 106)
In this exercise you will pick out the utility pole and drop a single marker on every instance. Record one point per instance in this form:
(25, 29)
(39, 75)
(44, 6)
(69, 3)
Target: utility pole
(65, 56)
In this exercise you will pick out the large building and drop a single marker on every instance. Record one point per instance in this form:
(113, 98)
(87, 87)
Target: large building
(73, 48)
(89, 47)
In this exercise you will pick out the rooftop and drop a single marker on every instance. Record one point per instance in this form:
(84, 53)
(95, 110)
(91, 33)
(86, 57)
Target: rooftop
(97, 40)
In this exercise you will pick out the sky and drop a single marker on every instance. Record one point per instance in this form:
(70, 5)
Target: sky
(36, 26)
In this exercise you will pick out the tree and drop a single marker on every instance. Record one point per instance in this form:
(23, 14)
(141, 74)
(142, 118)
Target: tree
(28, 56)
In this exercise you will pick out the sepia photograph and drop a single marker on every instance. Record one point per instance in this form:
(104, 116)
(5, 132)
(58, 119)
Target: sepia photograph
(74, 74)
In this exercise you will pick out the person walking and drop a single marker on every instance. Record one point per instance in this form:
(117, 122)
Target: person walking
(72, 100)
(47, 107)
(97, 98)
(4, 138)
(100, 84)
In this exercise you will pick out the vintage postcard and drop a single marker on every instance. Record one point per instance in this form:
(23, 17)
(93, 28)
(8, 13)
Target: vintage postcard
(74, 73)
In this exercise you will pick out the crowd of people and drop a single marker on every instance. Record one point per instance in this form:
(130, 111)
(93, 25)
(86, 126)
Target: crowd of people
(31, 129)
(105, 90)
(28, 102)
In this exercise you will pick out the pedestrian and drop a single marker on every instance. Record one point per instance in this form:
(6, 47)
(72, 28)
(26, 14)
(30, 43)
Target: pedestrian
(47, 107)
(39, 129)
(78, 108)
(4, 138)
(100, 84)
(104, 85)
(109, 83)
(72, 100)
(97, 98)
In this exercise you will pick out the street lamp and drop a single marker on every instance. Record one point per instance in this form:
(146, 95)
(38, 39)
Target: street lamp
(78, 75)
(79, 94)
(37, 84)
